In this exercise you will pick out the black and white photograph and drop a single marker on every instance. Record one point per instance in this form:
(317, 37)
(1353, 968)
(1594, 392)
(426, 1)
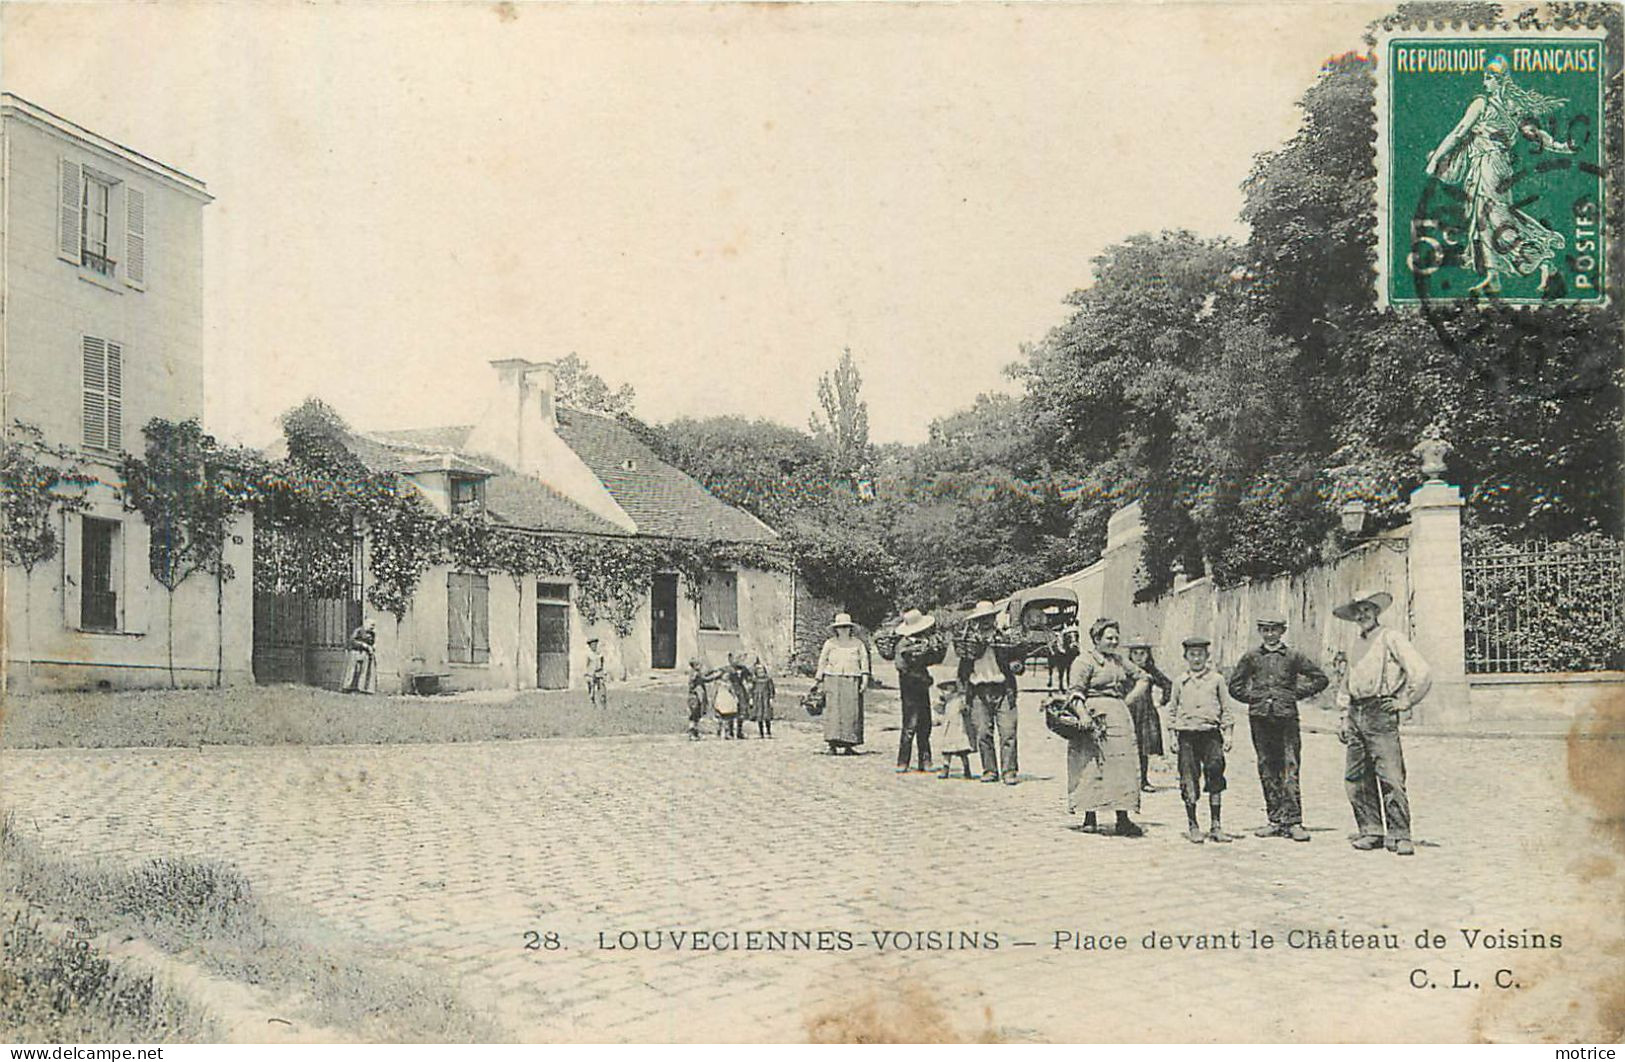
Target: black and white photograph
(819, 522)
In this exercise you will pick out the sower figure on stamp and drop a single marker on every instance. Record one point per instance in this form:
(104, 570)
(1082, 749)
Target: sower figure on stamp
(1386, 679)
(988, 666)
(919, 647)
(1477, 157)
(1271, 680)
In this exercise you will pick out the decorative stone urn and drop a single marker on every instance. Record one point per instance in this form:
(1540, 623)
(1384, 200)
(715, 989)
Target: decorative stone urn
(1432, 451)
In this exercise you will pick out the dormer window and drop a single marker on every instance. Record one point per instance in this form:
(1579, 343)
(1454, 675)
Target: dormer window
(629, 465)
(467, 495)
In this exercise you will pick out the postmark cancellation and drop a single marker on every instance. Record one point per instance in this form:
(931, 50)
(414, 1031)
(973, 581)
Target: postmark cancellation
(1491, 166)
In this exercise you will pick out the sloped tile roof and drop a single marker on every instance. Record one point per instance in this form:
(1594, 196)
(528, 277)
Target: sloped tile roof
(513, 499)
(661, 499)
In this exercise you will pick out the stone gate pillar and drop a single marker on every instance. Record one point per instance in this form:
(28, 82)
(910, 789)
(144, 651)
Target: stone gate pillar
(1438, 627)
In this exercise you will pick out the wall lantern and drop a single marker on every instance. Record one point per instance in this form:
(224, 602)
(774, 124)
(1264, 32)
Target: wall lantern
(1353, 515)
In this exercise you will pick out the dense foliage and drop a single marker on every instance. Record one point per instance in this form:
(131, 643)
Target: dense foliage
(317, 504)
(1241, 391)
(38, 483)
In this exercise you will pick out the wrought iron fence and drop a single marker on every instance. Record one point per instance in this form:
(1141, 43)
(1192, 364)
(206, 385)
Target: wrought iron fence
(1545, 606)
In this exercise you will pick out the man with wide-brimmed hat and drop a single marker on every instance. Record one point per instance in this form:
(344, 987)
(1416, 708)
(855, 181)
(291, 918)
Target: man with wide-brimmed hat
(988, 666)
(1270, 680)
(919, 647)
(1386, 678)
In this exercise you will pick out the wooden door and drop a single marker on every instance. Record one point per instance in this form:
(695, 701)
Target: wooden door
(552, 645)
(663, 621)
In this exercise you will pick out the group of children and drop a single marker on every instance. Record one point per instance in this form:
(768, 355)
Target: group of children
(744, 693)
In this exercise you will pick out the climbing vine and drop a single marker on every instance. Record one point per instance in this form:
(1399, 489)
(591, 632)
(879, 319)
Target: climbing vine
(318, 497)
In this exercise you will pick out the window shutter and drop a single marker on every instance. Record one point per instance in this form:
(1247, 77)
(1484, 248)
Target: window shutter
(459, 625)
(95, 392)
(115, 396)
(72, 529)
(480, 609)
(136, 594)
(70, 192)
(135, 237)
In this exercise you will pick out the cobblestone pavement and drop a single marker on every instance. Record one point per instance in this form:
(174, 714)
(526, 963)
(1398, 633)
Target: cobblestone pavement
(450, 853)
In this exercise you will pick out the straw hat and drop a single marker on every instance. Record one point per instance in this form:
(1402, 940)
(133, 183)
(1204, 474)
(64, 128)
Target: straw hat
(983, 608)
(1381, 598)
(915, 622)
(843, 619)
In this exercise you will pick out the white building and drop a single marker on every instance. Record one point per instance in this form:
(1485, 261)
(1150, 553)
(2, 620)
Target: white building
(101, 266)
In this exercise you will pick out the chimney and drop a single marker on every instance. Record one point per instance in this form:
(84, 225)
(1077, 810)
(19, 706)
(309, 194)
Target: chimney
(519, 417)
(520, 428)
(543, 383)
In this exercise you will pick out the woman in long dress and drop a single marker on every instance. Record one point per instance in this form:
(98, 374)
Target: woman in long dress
(844, 671)
(1477, 157)
(1103, 772)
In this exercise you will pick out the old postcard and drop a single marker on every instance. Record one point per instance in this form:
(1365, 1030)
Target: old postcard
(812, 522)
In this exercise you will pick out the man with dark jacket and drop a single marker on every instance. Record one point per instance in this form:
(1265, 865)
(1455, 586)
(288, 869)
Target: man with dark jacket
(988, 665)
(919, 647)
(1270, 680)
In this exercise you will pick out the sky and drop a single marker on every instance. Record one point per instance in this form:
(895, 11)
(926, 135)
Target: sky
(708, 202)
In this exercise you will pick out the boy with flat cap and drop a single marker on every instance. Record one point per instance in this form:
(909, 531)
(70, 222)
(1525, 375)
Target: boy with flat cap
(1270, 680)
(1200, 723)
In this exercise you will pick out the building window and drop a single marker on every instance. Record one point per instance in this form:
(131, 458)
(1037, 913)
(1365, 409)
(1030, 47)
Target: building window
(467, 496)
(103, 390)
(98, 602)
(93, 210)
(468, 618)
(719, 601)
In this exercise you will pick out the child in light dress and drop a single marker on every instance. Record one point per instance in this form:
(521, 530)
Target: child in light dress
(953, 727)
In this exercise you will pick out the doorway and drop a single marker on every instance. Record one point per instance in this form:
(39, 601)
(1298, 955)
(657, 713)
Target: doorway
(663, 621)
(552, 636)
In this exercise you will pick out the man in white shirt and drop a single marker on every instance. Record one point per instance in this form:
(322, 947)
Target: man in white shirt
(1386, 678)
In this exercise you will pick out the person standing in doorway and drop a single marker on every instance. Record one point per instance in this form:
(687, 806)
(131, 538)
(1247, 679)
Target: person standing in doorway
(919, 648)
(988, 666)
(1387, 678)
(1270, 680)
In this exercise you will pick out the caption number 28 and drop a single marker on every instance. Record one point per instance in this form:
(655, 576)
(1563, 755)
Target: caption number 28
(542, 940)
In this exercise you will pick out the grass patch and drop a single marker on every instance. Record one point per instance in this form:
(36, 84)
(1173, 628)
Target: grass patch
(59, 989)
(207, 914)
(302, 715)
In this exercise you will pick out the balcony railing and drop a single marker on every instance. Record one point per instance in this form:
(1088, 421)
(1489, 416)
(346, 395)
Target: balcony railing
(96, 263)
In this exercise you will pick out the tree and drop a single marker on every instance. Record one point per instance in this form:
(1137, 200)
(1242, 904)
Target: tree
(38, 482)
(770, 470)
(189, 488)
(841, 423)
(577, 386)
(840, 549)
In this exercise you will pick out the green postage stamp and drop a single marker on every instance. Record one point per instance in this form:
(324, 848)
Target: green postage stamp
(1490, 167)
